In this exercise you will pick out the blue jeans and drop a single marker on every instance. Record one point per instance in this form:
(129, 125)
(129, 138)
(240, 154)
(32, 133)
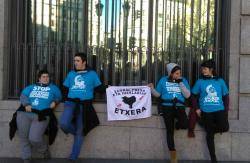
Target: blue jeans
(75, 129)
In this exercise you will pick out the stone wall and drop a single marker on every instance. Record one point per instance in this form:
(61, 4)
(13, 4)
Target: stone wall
(137, 139)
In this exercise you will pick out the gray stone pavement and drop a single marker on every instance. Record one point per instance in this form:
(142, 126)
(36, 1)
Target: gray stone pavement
(60, 160)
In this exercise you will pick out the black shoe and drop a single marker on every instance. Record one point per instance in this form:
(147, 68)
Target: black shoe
(214, 160)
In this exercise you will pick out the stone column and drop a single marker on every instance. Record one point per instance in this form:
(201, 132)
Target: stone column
(240, 78)
(3, 32)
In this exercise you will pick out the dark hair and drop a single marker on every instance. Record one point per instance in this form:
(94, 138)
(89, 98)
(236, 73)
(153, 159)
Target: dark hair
(82, 55)
(175, 69)
(211, 65)
(41, 72)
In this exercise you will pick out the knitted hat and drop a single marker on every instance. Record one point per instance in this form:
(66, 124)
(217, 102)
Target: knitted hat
(209, 64)
(172, 67)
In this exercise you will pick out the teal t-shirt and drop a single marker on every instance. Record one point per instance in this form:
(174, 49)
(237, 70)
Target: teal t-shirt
(170, 90)
(40, 97)
(81, 84)
(211, 92)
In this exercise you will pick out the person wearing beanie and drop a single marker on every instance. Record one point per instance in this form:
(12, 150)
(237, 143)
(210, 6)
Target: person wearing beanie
(210, 100)
(172, 90)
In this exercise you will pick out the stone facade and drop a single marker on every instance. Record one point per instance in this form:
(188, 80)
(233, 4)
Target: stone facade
(146, 139)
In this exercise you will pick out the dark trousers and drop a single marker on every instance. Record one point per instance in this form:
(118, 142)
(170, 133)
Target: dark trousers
(169, 116)
(215, 122)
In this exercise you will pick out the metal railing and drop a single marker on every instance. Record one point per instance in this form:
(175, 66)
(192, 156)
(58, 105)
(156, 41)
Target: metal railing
(128, 42)
(27, 59)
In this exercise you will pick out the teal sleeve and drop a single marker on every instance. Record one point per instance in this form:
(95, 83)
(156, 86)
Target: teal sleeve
(196, 88)
(186, 84)
(97, 81)
(159, 87)
(26, 91)
(224, 88)
(58, 94)
(66, 82)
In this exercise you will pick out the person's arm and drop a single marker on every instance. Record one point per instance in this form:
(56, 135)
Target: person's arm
(65, 91)
(25, 102)
(184, 90)
(65, 87)
(225, 100)
(153, 90)
(24, 98)
(57, 97)
(184, 86)
(225, 95)
(98, 85)
(101, 88)
(155, 93)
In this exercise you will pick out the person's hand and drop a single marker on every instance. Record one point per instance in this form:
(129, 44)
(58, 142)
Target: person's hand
(28, 108)
(191, 134)
(52, 105)
(198, 112)
(151, 85)
(178, 80)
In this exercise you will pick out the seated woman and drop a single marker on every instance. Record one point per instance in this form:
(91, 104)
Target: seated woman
(172, 90)
(36, 99)
(210, 102)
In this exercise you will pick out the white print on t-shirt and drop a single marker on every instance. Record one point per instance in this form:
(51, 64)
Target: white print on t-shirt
(211, 95)
(40, 92)
(173, 88)
(35, 102)
(39, 88)
(79, 83)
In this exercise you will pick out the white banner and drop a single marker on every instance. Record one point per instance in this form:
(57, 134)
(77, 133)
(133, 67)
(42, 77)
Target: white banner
(128, 102)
